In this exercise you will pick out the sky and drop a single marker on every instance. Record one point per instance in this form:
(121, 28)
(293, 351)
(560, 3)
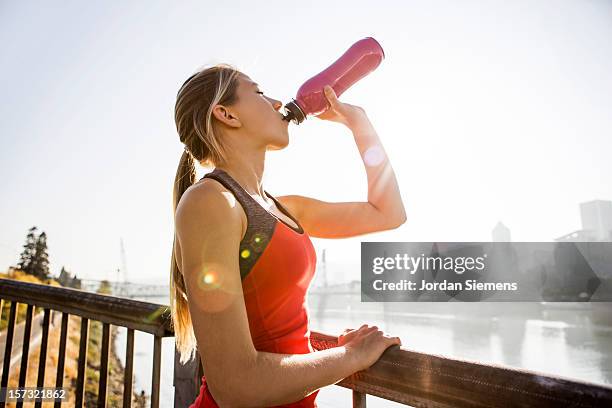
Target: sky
(488, 110)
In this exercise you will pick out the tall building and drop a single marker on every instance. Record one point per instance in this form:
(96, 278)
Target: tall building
(596, 217)
(501, 233)
(321, 275)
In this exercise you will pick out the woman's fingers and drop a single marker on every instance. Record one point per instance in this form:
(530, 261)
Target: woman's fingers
(365, 330)
(331, 94)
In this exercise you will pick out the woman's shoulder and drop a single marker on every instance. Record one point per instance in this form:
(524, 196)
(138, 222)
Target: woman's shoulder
(207, 185)
(208, 203)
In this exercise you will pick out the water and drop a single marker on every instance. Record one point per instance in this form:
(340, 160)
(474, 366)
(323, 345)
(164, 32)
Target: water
(143, 362)
(565, 339)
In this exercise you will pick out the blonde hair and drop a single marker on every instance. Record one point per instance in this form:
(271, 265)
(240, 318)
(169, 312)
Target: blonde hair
(196, 129)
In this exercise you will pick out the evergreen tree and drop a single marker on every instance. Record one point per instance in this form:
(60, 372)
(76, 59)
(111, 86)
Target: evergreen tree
(29, 252)
(41, 258)
(34, 259)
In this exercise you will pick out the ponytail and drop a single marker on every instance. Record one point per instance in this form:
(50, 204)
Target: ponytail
(183, 329)
(203, 144)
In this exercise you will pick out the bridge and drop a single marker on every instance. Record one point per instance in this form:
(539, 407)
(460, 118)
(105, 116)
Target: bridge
(127, 289)
(143, 290)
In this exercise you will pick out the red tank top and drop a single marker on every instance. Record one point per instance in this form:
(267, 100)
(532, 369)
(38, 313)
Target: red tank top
(277, 264)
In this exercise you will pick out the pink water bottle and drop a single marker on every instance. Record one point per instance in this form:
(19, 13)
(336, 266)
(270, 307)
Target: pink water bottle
(358, 61)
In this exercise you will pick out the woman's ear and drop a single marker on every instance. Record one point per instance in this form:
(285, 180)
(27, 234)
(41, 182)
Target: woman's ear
(224, 115)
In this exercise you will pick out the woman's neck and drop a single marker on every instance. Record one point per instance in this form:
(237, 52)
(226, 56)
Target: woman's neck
(249, 176)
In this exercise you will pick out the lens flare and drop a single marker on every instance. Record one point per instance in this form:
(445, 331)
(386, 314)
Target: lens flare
(209, 280)
(374, 155)
(258, 242)
(160, 311)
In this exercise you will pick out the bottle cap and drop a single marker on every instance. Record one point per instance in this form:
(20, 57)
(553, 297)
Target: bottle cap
(294, 113)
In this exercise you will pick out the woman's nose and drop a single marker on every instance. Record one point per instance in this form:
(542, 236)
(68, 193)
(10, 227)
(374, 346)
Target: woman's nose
(277, 104)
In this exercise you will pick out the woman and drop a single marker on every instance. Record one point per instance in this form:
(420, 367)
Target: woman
(242, 259)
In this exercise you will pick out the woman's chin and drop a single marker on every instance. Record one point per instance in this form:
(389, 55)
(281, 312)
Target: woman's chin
(278, 145)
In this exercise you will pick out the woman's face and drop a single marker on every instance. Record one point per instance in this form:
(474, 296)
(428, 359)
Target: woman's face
(260, 115)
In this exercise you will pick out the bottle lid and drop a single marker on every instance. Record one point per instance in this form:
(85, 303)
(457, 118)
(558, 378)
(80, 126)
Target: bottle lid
(294, 113)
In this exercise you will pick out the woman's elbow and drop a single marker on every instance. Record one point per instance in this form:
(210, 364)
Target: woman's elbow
(236, 393)
(226, 395)
(396, 222)
(249, 395)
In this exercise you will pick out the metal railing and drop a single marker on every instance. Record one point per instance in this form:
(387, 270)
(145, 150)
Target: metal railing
(109, 310)
(400, 375)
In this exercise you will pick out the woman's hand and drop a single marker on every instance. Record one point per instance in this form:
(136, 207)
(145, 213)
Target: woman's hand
(367, 344)
(348, 335)
(349, 115)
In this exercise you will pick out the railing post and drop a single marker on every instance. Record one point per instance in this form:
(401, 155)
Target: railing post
(25, 351)
(59, 379)
(156, 372)
(82, 365)
(8, 347)
(129, 369)
(359, 399)
(42, 356)
(104, 355)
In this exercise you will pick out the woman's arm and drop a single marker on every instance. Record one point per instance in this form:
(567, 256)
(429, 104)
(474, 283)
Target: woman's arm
(384, 209)
(209, 227)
